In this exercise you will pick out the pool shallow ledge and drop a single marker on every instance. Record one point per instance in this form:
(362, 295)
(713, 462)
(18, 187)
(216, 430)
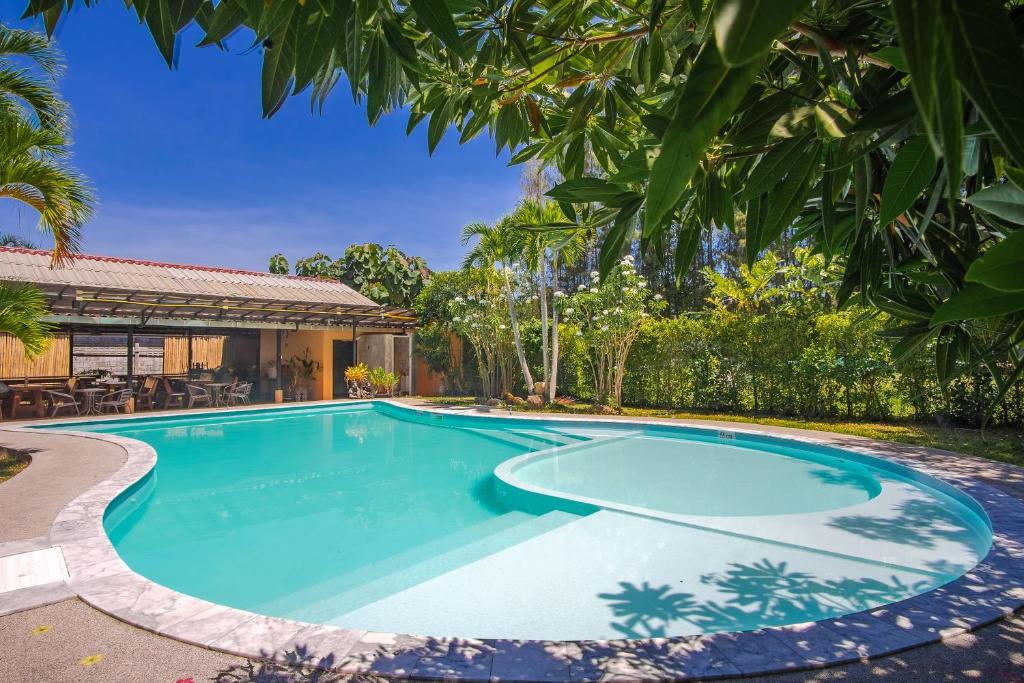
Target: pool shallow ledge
(991, 590)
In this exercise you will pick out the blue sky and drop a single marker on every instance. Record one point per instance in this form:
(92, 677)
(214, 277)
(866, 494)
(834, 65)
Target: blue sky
(186, 170)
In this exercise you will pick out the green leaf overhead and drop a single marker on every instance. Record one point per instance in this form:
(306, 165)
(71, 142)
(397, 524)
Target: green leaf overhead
(745, 29)
(913, 167)
(278, 66)
(988, 64)
(1005, 200)
(1002, 266)
(977, 301)
(711, 94)
(915, 26)
(436, 16)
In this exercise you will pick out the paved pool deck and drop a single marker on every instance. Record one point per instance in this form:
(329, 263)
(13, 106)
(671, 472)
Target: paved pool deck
(64, 467)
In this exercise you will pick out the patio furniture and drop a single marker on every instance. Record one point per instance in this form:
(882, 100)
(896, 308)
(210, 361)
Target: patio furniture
(217, 391)
(5, 392)
(198, 395)
(32, 395)
(89, 396)
(239, 394)
(147, 393)
(61, 400)
(116, 401)
(172, 398)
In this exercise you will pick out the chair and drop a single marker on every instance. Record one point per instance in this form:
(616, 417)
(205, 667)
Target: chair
(198, 395)
(147, 393)
(115, 401)
(60, 400)
(5, 394)
(239, 393)
(171, 397)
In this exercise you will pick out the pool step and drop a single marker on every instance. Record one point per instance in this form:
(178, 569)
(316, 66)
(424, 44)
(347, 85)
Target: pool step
(404, 570)
(531, 439)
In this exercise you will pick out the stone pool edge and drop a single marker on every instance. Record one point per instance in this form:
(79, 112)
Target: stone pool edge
(990, 591)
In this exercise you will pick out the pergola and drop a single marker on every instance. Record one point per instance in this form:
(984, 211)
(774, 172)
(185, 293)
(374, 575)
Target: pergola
(129, 295)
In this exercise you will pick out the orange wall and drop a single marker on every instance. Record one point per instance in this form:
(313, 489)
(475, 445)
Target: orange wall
(321, 349)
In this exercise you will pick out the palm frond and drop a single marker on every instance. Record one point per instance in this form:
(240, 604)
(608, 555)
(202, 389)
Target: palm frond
(22, 308)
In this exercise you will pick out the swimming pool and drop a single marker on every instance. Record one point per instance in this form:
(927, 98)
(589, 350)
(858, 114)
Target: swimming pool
(379, 517)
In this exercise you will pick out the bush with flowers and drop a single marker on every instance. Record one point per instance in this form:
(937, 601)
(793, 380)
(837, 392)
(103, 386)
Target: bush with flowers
(480, 316)
(607, 315)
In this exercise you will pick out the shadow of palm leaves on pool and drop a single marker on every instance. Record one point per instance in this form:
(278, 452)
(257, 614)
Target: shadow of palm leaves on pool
(919, 523)
(760, 594)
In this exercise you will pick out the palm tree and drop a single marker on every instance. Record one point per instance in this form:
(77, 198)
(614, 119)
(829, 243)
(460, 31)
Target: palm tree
(552, 235)
(25, 89)
(500, 246)
(34, 143)
(22, 308)
(9, 239)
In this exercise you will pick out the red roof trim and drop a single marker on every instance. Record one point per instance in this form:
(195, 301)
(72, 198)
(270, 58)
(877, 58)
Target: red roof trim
(159, 264)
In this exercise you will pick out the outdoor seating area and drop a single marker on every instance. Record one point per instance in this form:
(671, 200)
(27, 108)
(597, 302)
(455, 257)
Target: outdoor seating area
(92, 395)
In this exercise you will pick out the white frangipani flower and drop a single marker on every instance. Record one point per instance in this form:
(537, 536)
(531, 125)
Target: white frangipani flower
(658, 297)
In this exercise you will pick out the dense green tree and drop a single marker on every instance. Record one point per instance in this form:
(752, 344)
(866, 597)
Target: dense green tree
(891, 132)
(385, 274)
(35, 142)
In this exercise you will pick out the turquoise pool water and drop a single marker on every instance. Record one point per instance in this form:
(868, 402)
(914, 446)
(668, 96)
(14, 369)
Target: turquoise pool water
(379, 517)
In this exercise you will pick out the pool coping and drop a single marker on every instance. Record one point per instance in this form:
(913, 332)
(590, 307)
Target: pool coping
(990, 591)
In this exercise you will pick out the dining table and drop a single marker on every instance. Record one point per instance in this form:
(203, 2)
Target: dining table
(217, 391)
(89, 403)
(34, 393)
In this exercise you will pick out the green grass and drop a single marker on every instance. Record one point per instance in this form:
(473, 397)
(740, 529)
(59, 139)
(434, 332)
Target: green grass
(1003, 445)
(11, 465)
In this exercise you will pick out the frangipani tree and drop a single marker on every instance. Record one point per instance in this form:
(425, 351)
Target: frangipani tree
(497, 252)
(552, 242)
(607, 315)
(479, 317)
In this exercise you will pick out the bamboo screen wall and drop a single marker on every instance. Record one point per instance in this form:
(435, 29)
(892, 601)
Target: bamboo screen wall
(207, 351)
(53, 362)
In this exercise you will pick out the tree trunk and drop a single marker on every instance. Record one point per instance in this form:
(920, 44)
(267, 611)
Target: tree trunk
(542, 284)
(552, 384)
(515, 336)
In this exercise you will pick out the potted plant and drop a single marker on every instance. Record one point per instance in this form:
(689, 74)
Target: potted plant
(357, 377)
(301, 373)
(384, 382)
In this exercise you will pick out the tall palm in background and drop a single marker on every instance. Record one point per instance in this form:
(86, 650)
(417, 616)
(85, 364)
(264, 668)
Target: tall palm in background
(9, 239)
(552, 241)
(35, 140)
(500, 246)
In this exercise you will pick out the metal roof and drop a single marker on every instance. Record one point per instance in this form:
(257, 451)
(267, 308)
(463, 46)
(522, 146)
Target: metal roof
(104, 286)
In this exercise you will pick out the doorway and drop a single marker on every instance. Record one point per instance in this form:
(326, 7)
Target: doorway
(342, 360)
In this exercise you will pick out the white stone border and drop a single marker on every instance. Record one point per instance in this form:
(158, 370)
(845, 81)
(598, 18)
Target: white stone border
(990, 591)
